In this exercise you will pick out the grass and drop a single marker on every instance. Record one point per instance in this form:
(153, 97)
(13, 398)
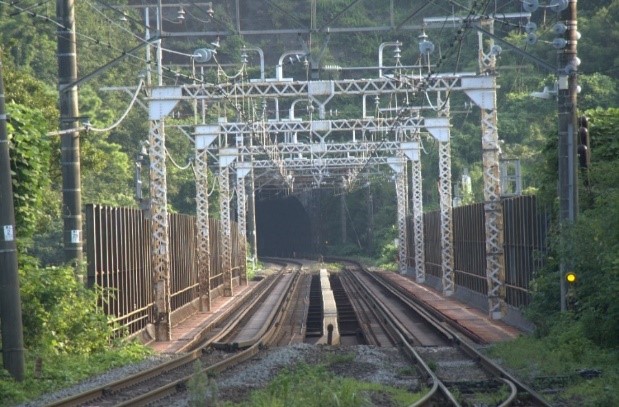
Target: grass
(63, 370)
(314, 386)
(564, 354)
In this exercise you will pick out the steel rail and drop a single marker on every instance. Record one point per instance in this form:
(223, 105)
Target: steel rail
(235, 345)
(181, 384)
(194, 351)
(400, 335)
(451, 333)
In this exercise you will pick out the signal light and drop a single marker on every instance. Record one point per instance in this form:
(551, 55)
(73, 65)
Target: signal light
(570, 277)
(584, 153)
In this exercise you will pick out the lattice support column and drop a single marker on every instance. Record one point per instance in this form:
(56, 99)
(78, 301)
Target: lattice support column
(439, 129)
(162, 102)
(493, 212)
(241, 201)
(370, 217)
(225, 238)
(227, 156)
(252, 218)
(202, 223)
(205, 135)
(417, 203)
(343, 231)
(484, 96)
(446, 217)
(160, 241)
(398, 165)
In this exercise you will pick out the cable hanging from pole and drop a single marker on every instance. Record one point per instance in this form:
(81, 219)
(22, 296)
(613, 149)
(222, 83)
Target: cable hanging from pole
(89, 128)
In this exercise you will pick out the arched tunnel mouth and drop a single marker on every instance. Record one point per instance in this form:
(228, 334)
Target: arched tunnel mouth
(283, 228)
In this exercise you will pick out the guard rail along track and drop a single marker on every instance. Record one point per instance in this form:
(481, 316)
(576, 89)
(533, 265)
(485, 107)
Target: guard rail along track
(439, 392)
(172, 377)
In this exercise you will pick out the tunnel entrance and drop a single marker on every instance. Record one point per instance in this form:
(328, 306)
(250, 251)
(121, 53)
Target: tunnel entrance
(283, 228)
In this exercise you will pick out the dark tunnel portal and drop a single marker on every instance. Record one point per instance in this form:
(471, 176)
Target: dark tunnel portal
(283, 228)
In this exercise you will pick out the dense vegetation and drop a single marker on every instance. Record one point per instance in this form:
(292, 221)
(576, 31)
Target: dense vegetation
(527, 126)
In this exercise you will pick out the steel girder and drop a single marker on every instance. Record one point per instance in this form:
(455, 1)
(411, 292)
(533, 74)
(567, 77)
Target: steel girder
(315, 89)
(322, 128)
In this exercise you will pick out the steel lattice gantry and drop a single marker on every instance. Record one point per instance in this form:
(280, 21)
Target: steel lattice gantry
(312, 161)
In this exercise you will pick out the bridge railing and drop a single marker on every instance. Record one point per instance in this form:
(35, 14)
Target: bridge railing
(525, 230)
(119, 262)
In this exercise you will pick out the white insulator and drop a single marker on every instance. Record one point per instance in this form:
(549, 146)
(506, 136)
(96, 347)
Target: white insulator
(332, 68)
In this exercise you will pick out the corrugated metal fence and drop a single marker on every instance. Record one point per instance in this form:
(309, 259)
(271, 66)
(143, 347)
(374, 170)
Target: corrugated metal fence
(525, 230)
(118, 251)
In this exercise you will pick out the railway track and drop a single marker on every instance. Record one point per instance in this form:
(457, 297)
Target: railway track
(440, 353)
(288, 307)
(274, 293)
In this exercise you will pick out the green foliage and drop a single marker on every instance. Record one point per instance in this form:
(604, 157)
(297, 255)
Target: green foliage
(59, 314)
(32, 47)
(309, 386)
(30, 153)
(590, 245)
(63, 370)
(202, 389)
(565, 352)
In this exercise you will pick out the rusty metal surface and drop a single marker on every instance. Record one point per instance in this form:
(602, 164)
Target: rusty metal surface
(188, 329)
(471, 319)
(118, 251)
(525, 234)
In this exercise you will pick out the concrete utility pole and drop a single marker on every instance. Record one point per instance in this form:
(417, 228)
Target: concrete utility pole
(567, 122)
(70, 142)
(10, 301)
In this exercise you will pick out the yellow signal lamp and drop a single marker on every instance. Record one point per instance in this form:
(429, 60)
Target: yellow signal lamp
(570, 277)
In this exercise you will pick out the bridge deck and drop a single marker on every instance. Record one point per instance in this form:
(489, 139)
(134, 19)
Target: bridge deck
(470, 318)
(188, 329)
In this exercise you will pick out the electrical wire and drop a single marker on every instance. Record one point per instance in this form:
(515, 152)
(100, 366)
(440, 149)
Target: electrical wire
(180, 167)
(89, 128)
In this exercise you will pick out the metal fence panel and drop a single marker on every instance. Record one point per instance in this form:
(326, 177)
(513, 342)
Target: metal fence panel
(432, 243)
(525, 231)
(469, 240)
(119, 262)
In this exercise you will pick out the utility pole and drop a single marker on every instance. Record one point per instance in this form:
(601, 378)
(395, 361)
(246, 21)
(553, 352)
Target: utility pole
(10, 300)
(70, 142)
(567, 122)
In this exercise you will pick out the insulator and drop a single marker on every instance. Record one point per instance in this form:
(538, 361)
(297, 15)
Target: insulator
(426, 47)
(530, 5)
(558, 5)
(559, 43)
(559, 28)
